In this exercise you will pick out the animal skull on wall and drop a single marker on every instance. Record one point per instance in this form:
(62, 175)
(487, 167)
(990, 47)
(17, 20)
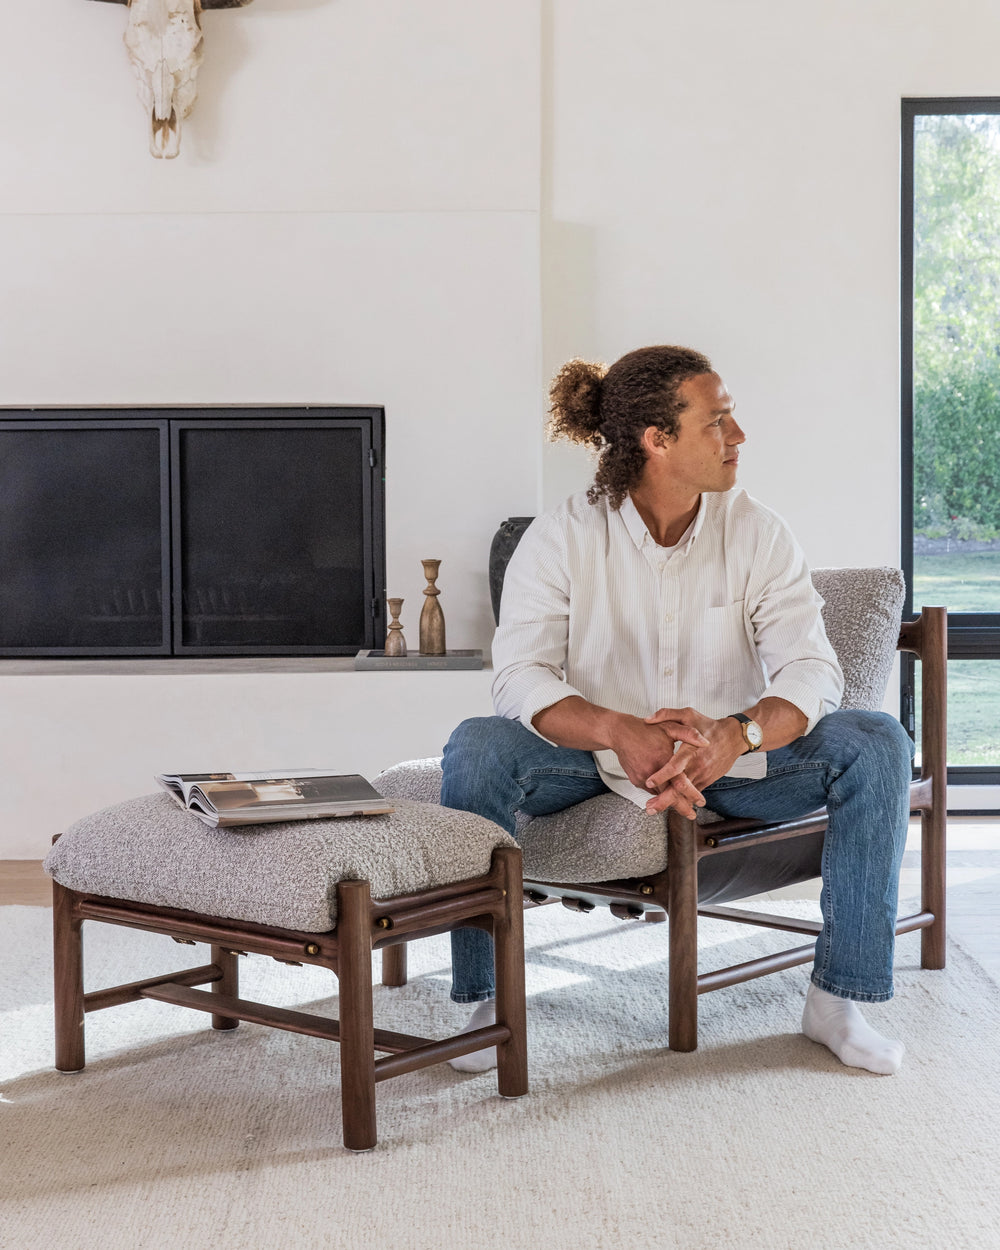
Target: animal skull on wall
(164, 43)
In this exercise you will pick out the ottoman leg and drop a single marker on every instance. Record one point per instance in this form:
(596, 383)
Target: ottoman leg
(357, 1029)
(394, 964)
(227, 985)
(68, 962)
(508, 936)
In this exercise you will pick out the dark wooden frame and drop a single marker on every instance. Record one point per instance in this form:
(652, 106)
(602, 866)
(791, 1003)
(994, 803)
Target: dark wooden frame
(674, 892)
(492, 902)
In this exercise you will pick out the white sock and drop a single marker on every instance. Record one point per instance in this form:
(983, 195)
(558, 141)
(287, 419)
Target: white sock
(838, 1024)
(478, 1060)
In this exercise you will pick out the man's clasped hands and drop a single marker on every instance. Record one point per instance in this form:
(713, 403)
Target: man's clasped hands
(676, 753)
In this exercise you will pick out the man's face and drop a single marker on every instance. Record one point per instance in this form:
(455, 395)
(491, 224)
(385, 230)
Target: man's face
(705, 453)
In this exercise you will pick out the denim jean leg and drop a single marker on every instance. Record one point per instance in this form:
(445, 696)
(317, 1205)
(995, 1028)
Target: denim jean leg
(857, 764)
(495, 767)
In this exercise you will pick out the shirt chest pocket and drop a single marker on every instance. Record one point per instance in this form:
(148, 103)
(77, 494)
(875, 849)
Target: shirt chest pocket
(720, 647)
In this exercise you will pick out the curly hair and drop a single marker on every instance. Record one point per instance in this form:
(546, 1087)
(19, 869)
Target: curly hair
(609, 408)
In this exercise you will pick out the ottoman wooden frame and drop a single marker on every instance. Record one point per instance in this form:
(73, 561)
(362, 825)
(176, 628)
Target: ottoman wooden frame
(492, 902)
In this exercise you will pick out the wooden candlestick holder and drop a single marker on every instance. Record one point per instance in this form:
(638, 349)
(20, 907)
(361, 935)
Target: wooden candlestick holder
(431, 616)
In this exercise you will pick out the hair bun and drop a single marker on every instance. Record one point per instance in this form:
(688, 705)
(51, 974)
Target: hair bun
(575, 409)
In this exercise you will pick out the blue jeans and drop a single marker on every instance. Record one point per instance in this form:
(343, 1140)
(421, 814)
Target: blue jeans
(856, 764)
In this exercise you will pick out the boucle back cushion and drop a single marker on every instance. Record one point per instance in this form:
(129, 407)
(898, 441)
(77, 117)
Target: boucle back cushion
(150, 850)
(862, 615)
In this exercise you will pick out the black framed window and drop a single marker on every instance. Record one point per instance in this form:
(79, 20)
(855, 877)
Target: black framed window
(950, 382)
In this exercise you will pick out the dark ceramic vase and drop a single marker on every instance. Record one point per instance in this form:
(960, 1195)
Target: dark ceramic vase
(501, 549)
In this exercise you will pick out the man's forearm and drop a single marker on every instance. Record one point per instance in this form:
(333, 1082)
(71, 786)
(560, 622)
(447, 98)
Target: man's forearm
(781, 722)
(574, 722)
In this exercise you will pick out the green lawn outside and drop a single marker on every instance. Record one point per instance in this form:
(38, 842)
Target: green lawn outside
(966, 582)
(962, 582)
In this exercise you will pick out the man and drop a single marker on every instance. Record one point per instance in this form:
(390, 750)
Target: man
(660, 637)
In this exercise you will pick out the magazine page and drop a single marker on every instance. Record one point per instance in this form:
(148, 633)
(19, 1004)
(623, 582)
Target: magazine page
(233, 802)
(180, 785)
(268, 815)
(320, 791)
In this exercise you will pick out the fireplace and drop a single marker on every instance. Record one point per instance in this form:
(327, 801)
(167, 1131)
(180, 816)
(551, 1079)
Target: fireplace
(191, 531)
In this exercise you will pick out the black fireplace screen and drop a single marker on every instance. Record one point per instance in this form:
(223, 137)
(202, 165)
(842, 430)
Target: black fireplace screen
(191, 532)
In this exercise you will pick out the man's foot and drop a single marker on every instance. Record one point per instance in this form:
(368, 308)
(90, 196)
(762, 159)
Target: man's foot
(838, 1024)
(478, 1060)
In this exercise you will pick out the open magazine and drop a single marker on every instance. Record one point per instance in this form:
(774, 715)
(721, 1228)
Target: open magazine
(221, 799)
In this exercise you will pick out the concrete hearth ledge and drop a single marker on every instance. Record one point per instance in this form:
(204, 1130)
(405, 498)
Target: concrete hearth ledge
(154, 666)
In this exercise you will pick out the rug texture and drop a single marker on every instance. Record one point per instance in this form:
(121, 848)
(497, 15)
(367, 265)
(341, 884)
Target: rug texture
(178, 1136)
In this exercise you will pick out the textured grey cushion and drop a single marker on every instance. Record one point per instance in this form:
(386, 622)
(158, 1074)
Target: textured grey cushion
(862, 617)
(599, 840)
(151, 851)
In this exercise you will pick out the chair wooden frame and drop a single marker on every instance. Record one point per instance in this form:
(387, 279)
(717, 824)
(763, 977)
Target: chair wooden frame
(492, 902)
(673, 893)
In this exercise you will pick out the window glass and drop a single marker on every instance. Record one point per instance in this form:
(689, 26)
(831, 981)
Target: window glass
(956, 362)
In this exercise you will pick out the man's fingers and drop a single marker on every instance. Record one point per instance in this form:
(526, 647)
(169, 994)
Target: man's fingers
(684, 714)
(677, 766)
(671, 769)
(670, 797)
(683, 733)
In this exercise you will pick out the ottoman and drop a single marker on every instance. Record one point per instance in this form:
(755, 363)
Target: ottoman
(325, 892)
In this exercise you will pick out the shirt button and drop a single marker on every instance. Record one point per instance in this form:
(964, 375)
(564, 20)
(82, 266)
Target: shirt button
(669, 616)
(668, 672)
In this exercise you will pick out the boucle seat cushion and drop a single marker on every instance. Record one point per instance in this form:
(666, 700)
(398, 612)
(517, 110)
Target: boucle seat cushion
(600, 839)
(149, 850)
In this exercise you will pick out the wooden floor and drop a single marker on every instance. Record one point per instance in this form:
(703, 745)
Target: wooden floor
(22, 881)
(973, 885)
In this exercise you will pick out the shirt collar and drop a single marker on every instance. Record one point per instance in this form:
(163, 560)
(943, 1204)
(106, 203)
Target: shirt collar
(638, 532)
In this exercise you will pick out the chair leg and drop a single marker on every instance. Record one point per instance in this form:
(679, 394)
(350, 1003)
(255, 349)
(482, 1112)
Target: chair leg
(934, 767)
(68, 961)
(682, 912)
(508, 944)
(394, 964)
(933, 872)
(357, 1029)
(228, 984)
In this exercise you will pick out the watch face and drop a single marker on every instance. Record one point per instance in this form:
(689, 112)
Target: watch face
(754, 733)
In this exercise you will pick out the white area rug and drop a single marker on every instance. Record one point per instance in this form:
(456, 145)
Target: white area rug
(177, 1136)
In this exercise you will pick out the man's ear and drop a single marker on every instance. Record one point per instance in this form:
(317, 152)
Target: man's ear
(654, 440)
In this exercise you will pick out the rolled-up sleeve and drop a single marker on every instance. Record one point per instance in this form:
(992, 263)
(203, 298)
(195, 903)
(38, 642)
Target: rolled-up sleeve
(530, 645)
(800, 664)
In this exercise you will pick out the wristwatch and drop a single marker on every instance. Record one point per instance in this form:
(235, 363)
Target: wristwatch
(753, 735)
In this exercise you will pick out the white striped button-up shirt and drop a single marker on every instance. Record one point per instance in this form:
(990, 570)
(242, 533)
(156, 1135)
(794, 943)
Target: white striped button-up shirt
(590, 607)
